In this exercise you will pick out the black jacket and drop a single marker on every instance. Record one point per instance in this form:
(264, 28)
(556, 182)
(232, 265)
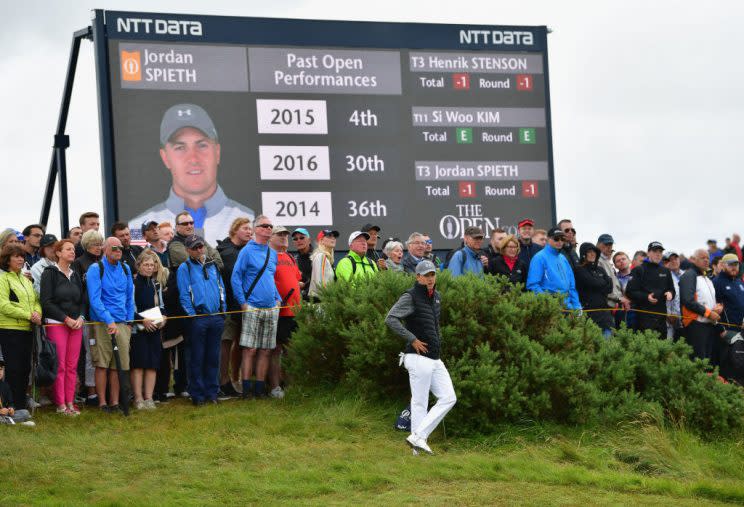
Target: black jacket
(145, 289)
(527, 251)
(82, 263)
(6, 395)
(409, 263)
(80, 266)
(649, 278)
(424, 321)
(306, 269)
(498, 266)
(688, 290)
(491, 254)
(129, 255)
(229, 252)
(593, 284)
(61, 296)
(569, 251)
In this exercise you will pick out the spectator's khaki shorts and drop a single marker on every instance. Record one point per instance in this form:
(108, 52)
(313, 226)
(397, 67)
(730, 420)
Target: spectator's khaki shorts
(233, 325)
(102, 353)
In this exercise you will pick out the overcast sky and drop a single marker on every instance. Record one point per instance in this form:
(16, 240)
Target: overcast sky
(646, 105)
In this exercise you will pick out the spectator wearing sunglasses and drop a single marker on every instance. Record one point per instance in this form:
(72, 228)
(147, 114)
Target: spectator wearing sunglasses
(177, 247)
(569, 245)
(429, 254)
(255, 291)
(301, 241)
(111, 298)
(202, 294)
(372, 254)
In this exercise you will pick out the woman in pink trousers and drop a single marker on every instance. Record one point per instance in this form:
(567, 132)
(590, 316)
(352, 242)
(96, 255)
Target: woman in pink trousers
(62, 304)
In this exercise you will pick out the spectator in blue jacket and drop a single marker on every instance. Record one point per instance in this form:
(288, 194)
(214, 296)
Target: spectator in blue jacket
(470, 258)
(551, 272)
(255, 291)
(730, 291)
(111, 297)
(201, 293)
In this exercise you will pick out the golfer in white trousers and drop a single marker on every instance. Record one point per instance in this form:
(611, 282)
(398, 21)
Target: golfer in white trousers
(415, 317)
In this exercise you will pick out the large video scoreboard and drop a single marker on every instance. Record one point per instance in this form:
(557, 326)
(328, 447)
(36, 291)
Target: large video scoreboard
(412, 127)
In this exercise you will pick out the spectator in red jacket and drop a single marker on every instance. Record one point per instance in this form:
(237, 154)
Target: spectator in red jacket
(288, 283)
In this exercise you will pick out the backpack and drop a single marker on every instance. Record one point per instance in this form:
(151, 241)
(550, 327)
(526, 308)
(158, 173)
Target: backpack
(46, 361)
(124, 266)
(354, 264)
(449, 256)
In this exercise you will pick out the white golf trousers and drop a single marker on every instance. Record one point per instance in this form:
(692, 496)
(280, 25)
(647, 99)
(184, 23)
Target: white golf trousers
(426, 375)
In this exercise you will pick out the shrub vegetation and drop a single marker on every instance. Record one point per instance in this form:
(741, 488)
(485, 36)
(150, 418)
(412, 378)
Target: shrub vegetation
(513, 356)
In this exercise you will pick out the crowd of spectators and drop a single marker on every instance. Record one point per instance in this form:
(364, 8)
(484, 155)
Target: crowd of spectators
(215, 319)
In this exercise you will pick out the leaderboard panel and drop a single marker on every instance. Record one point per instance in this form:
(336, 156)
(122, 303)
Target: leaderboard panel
(333, 124)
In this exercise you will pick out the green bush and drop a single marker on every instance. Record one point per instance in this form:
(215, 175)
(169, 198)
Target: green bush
(512, 356)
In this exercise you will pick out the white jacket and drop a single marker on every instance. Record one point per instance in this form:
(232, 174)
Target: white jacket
(322, 273)
(221, 212)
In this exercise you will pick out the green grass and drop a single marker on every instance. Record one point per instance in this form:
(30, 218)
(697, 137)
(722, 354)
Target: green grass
(319, 449)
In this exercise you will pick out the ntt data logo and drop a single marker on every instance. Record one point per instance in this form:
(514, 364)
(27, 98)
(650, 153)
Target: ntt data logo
(497, 37)
(159, 26)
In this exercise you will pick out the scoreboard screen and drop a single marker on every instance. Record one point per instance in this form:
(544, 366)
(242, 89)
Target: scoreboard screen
(325, 124)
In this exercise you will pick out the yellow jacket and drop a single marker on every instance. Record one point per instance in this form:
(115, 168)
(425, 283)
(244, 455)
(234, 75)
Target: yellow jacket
(17, 301)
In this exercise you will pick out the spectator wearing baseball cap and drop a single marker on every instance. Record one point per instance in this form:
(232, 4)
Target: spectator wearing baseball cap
(730, 290)
(372, 253)
(550, 271)
(47, 258)
(649, 289)
(356, 265)
(287, 279)
(303, 243)
(151, 234)
(415, 318)
(593, 285)
(527, 247)
(190, 150)
(605, 242)
(201, 293)
(255, 291)
(470, 258)
(322, 263)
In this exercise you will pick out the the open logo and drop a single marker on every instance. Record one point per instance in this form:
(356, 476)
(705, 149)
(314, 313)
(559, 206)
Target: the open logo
(131, 70)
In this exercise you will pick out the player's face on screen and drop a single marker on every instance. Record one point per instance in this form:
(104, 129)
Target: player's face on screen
(192, 158)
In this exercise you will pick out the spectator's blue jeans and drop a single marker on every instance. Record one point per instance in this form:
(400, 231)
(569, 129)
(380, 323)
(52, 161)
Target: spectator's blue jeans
(204, 361)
